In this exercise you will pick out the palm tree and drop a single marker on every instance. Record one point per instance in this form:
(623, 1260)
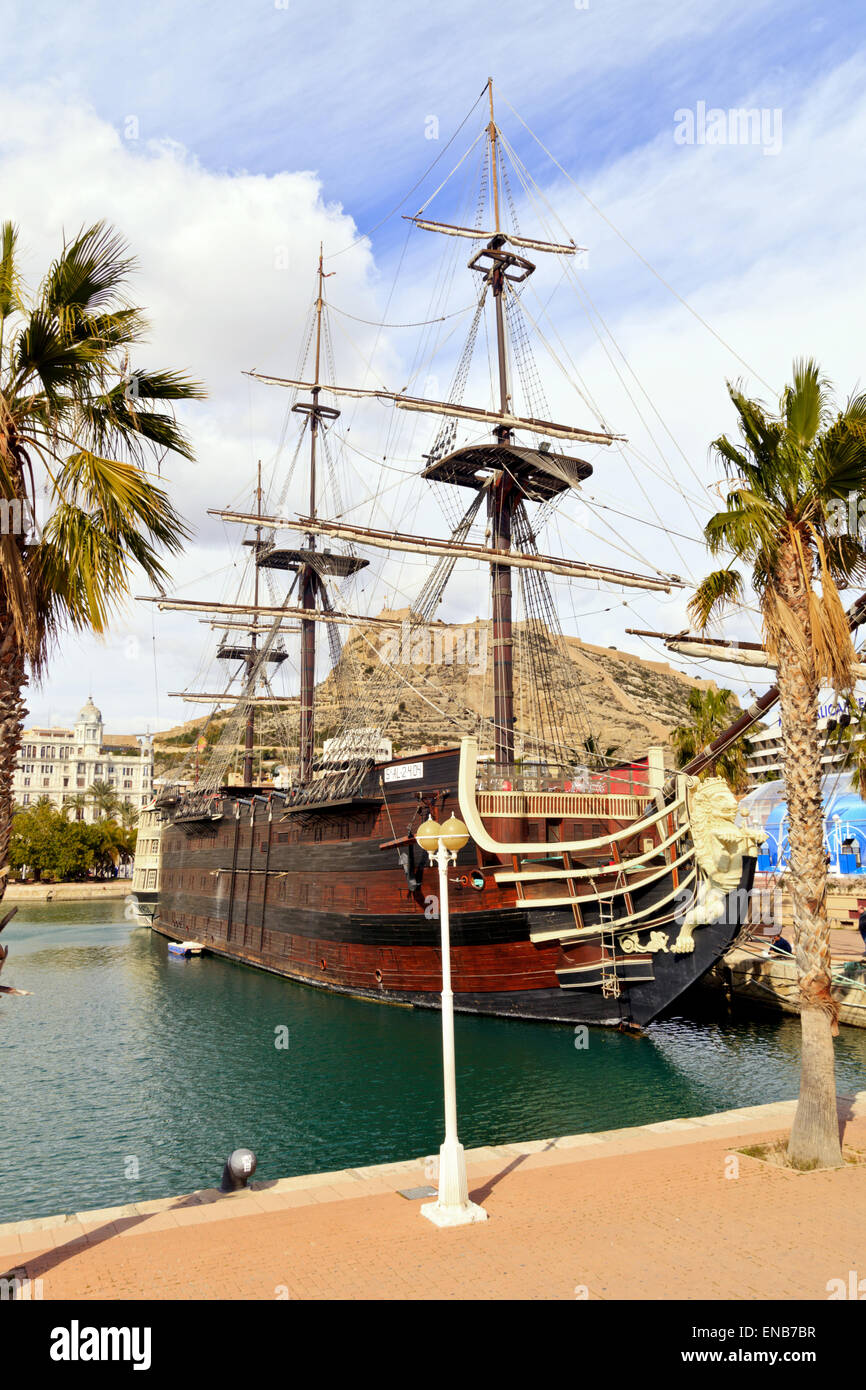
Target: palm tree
(76, 805)
(128, 814)
(113, 844)
(79, 427)
(711, 712)
(791, 479)
(104, 800)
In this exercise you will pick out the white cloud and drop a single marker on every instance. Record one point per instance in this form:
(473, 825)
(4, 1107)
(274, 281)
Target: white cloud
(226, 271)
(765, 248)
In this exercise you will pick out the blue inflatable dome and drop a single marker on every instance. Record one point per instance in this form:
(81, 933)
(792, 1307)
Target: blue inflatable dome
(844, 824)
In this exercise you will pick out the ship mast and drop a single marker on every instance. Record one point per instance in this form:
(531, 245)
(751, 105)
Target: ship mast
(500, 501)
(249, 737)
(308, 578)
(503, 465)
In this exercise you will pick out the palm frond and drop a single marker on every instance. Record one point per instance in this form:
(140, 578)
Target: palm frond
(123, 418)
(758, 429)
(804, 402)
(126, 499)
(166, 386)
(831, 633)
(711, 712)
(10, 296)
(748, 524)
(717, 589)
(89, 272)
(41, 350)
(840, 454)
(69, 404)
(845, 558)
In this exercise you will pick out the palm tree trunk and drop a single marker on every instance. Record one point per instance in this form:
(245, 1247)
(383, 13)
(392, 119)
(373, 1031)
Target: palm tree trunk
(814, 1140)
(13, 680)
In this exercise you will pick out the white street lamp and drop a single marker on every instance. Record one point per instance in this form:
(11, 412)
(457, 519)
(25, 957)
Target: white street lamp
(452, 1207)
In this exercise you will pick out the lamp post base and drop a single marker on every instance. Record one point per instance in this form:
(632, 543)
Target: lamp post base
(452, 1207)
(453, 1216)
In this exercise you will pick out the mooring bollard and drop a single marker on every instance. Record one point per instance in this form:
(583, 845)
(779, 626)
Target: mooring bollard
(240, 1166)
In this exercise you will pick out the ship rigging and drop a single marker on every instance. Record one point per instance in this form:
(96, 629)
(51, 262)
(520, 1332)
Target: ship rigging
(506, 478)
(589, 890)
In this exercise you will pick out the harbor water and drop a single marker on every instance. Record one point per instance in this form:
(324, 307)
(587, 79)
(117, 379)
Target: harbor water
(130, 1074)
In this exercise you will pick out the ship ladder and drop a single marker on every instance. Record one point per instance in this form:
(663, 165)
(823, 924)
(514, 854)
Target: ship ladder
(610, 985)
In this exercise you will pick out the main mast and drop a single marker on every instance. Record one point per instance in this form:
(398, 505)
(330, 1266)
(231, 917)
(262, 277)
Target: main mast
(250, 735)
(308, 578)
(508, 469)
(500, 498)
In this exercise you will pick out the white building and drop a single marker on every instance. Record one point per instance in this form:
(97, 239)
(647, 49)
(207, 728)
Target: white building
(764, 753)
(63, 764)
(147, 865)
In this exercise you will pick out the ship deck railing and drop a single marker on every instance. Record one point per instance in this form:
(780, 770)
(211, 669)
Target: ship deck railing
(559, 805)
(521, 790)
(626, 780)
(204, 806)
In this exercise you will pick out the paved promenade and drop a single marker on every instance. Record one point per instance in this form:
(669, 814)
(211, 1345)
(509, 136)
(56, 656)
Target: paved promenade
(90, 891)
(661, 1211)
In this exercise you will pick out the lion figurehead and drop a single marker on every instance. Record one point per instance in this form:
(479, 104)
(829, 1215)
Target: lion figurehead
(712, 806)
(719, 842)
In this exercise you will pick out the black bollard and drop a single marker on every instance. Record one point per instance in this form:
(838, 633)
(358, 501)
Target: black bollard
(240, 1167)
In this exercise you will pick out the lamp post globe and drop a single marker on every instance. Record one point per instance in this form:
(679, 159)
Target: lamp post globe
(454, 834)
(427, 835)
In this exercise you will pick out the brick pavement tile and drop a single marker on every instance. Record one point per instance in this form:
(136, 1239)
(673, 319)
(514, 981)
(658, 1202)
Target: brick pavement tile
(194, 1216)
(327, 1194)
(350, 1190)
(157, 1205)
(36, 1241)
(104, 1214)
(375, 1187)
(162, 1221)
(69, 1235)
(578, 1141)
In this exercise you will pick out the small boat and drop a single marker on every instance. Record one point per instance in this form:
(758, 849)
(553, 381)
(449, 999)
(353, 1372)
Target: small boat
(185, 948)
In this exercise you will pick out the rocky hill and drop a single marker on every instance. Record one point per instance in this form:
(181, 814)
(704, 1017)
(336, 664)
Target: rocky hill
(629, 702)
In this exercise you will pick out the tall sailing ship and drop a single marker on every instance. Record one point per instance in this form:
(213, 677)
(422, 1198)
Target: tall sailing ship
(590, 890)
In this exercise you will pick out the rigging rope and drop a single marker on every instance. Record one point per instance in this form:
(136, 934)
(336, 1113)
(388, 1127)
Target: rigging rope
(634, 250)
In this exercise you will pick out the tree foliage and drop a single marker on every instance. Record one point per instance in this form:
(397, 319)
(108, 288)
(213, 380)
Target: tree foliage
(47, 845)
(794, 475)
(711, 712)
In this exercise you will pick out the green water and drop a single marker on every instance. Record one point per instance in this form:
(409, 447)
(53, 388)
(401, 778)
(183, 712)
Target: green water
(130, 1074)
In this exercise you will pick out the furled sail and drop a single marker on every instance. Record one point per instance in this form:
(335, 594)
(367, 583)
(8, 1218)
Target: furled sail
(477, 414)
(472, 234)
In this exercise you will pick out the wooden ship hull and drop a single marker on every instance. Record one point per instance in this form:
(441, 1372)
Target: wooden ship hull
(341, 897)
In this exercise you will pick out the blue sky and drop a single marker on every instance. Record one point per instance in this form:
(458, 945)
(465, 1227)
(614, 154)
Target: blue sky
(344, 89)
(217, 135)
